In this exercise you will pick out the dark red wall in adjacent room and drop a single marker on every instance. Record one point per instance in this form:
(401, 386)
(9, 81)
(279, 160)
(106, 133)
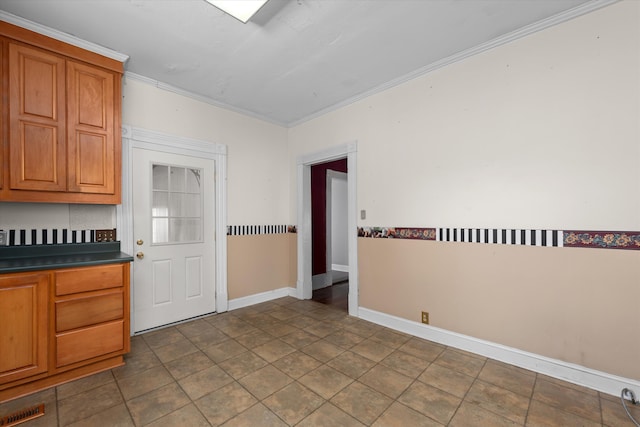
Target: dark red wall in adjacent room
(319, 212)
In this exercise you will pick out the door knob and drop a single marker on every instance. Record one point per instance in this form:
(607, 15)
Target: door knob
(139, 242)
(140, 255)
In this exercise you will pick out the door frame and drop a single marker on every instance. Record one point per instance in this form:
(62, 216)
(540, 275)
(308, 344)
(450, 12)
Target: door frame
(133, 137)
(303, 165)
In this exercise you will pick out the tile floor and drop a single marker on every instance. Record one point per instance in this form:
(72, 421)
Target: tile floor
(289, 362)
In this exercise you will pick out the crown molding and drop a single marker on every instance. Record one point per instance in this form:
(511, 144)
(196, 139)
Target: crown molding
(63, 37)
(456, 57)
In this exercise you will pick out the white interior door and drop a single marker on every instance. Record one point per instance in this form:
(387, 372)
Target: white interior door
(173, 229)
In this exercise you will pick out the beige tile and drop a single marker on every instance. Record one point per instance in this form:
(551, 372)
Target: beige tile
(223, 351)
(460, 361)
(510, 377)
(283, 313)
(446, 379)
(543, 415)
(265, 381)
(243, 364)
(498, 400)
(204, 382)
(372, 350)
(189, 364)
(117, 416)
(278, 329)
(80, 386)
(362, 328)
(136, 363)
(162, 337)
(156, 404)
(351, 364)
(208, 338)
(299, 338)
(472, 415)
(296, 364)
(568, 399)
(83, 405)
(329, 415)
(613, 413)
(405, 363)
(225, 403)
(322, 350)
(422, 349)
(235, 329)
(344, 339)
(254, 339)
(361, 402)
(144, 382)
(390, 338)
(399, 415)
(139, 345)
(386, 380)
(194, 328)
(303, 321)
(325, 381)
(175, 350)
(567, 384)
(188, 415)
(430, 401)
(274, 350)
(293, 403)
(257, 415)
(320, 329)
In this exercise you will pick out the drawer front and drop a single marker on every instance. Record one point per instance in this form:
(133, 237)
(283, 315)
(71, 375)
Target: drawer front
(89, 279)
(78, 312)
(83, 344)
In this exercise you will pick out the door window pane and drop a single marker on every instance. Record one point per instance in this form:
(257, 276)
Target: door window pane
(177, 204)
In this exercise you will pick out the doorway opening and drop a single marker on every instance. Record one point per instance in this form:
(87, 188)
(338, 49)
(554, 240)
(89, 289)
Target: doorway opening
(304, 284)
(329, 247)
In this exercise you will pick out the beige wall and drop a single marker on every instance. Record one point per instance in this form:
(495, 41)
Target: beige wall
(573, 304)
(258, 263)
(540, 133)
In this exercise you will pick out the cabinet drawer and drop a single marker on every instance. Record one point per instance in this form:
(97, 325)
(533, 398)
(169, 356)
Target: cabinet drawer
(86, 343)
(88, 279)
(78, 312)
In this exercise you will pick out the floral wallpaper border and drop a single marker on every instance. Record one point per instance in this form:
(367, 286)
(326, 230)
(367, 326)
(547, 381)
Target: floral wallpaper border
(629, 240)
(602, 239)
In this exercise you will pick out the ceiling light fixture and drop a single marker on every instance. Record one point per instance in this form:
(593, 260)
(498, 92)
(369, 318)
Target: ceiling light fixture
(242, 10)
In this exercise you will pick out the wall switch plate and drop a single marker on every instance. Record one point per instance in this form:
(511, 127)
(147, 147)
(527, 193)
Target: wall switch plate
(4, 237)
(363, 214)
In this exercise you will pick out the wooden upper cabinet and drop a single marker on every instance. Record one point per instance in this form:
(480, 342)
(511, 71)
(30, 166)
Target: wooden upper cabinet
(90, 129)
(36, 120)
(60, 121)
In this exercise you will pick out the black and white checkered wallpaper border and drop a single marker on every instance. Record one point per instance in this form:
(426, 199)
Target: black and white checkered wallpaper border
(49, 236)
(501, 236)
(246, 230)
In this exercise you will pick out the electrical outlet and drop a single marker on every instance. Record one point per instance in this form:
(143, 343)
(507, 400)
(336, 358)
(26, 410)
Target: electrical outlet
(4, 237)
(425, 317)
(106, 235)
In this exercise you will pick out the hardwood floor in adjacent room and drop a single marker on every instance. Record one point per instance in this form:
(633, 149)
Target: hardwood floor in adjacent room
(337, 296)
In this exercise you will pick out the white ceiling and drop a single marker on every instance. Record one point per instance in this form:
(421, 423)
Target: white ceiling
(295, 59)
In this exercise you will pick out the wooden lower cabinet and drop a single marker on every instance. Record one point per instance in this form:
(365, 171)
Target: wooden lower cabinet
(59, 325)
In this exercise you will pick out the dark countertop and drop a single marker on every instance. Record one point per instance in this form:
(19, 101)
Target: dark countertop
(15, 259)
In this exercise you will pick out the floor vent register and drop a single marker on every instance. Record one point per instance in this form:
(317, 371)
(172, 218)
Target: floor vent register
(22, 415)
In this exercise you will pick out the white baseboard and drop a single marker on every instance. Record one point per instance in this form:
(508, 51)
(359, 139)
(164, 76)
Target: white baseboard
(340, 267)
(576, 374)
(236, 303)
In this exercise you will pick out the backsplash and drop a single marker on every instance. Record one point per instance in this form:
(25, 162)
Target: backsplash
(56, 236)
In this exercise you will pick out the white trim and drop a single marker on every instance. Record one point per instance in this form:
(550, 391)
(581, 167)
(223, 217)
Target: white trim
(457, 57)
(133, 137)
(198, 97)
(304, 162)
(339, 267)
(247, 301)
(576, 374)
(64, 37)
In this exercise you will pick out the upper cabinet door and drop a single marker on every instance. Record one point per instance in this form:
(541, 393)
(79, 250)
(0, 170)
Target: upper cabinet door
(91, 145)
(36, 119)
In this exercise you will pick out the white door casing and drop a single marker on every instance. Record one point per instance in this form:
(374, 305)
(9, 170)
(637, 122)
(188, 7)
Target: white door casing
(304, 163)
(140, 139)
